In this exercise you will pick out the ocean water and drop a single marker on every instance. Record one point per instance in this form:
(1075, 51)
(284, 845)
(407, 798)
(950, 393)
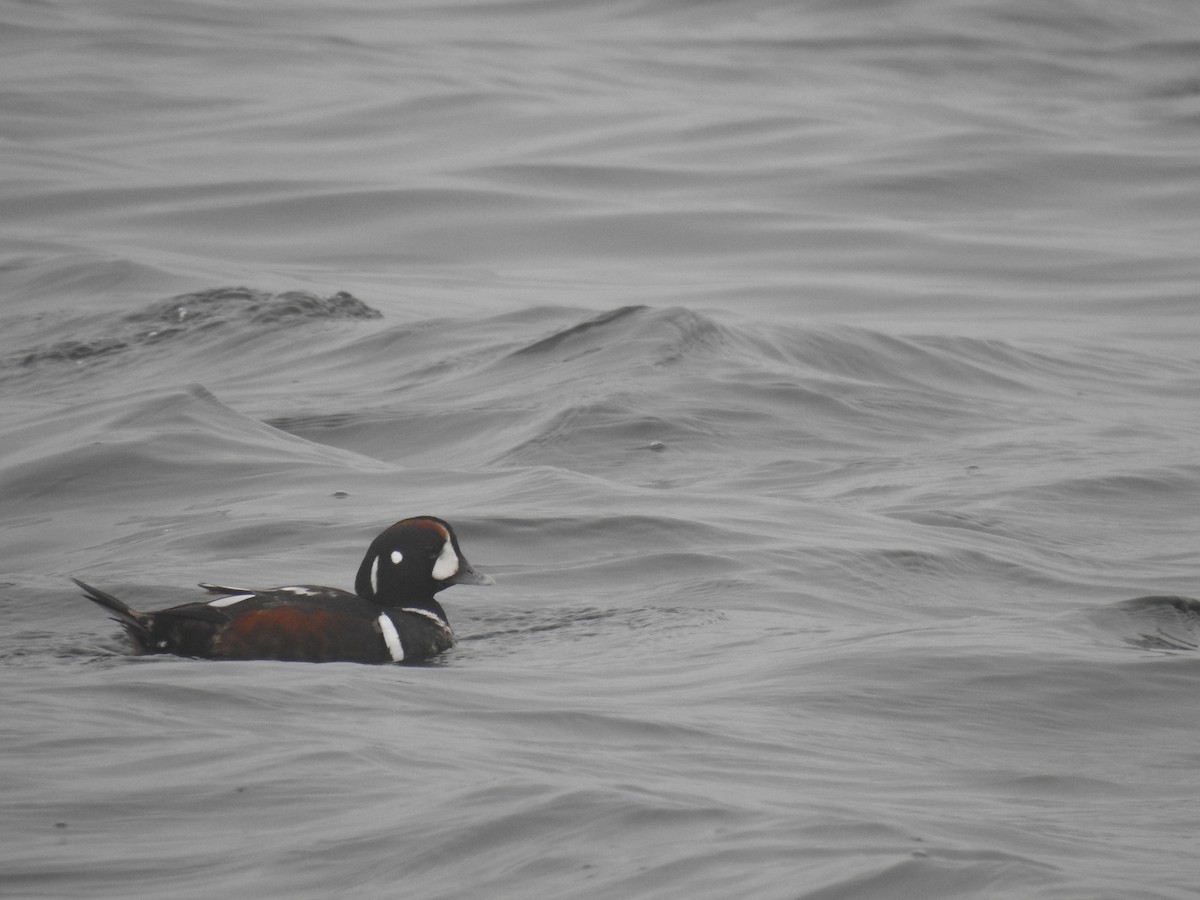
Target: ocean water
(820, 381)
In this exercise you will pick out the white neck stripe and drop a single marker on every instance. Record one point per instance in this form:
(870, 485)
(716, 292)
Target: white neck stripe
(391, 637)
(429, 614)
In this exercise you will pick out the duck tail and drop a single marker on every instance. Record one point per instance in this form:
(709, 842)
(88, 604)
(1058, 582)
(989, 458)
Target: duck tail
(136, 624)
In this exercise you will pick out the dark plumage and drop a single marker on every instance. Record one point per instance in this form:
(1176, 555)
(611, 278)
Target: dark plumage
(391, 617)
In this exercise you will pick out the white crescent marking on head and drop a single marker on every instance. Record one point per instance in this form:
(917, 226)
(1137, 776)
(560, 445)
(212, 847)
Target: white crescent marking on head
(230, 600)
(447, 563)
(391, 637)
(375, 575)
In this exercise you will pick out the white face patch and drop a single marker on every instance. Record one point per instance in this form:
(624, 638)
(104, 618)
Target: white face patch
(396, 557)
(375, 575)
(221, 602)
(391, 637)
(447, 563)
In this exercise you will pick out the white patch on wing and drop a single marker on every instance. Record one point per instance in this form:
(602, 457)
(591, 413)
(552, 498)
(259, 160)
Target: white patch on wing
(396, 557)
(375, 575)
(427, 613)
(447, 563)
(391, 637)
(221, 602)
(299, 590)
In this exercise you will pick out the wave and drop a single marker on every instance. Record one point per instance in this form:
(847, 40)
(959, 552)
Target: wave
(1167, 623)
(624, 393)
(908, 440)
(188, 315)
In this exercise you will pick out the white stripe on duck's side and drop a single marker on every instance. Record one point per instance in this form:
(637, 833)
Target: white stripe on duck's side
(391, 637)
(222, 602)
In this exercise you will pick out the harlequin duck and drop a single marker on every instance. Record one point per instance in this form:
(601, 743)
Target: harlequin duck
(391, 617)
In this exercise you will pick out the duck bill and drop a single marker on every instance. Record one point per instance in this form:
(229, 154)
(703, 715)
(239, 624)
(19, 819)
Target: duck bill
(466, 574)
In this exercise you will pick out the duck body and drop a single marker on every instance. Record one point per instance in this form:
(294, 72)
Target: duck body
(392, 617)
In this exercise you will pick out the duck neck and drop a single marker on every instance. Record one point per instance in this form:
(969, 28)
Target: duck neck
(424, 604)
